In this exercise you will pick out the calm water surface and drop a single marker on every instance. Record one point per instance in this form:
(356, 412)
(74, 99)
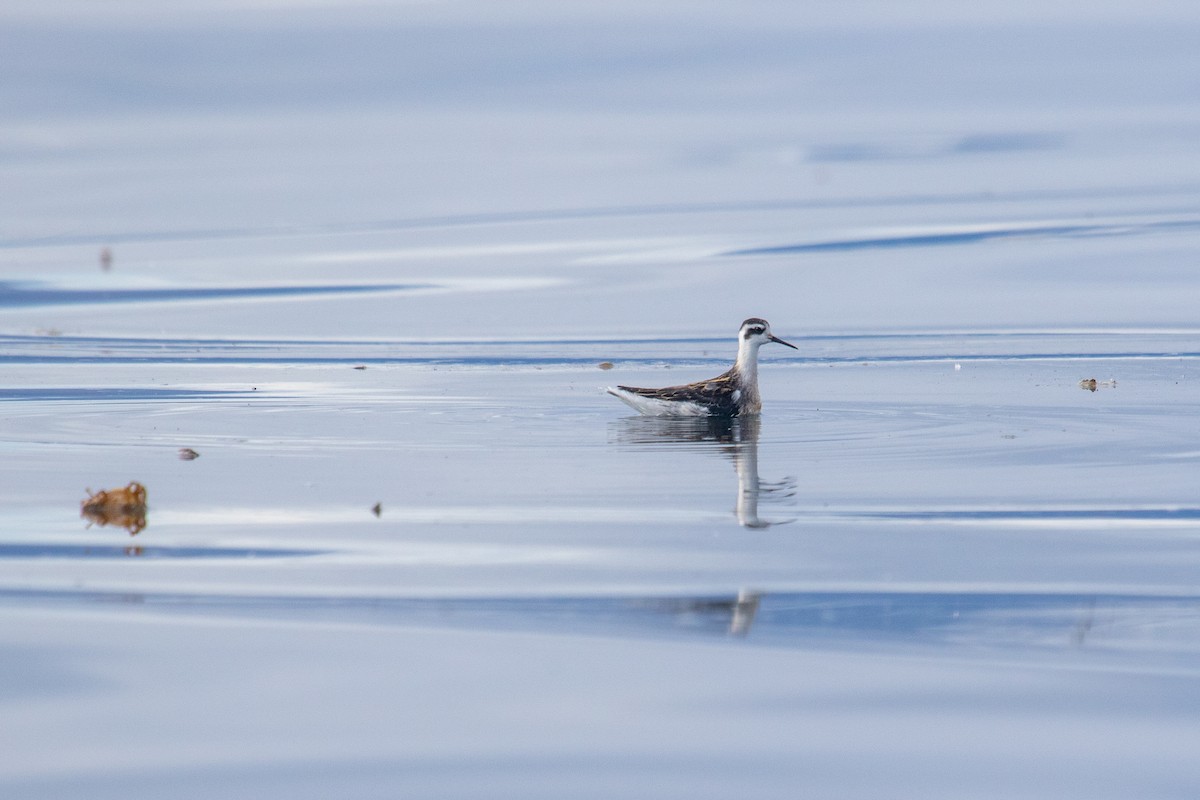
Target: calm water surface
(398, 540)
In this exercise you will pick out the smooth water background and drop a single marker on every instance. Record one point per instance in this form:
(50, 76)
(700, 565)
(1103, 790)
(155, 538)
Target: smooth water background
(386, 253)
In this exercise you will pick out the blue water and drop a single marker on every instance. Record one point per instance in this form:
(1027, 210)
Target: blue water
(374, 266)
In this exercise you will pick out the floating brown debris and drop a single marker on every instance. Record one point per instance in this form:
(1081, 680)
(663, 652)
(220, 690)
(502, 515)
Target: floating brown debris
(188, 454)
(361, 366)
(1091, 384)
(605, 365)
(377, 509)
(106, 258)
(125, 508)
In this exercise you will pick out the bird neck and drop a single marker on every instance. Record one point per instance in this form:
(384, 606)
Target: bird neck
(747, 362)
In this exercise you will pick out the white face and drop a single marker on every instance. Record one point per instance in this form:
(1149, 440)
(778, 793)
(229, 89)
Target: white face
(757, 333)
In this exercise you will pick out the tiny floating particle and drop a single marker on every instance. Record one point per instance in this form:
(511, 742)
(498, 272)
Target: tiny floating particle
(605, 365)
(377, 509)
(361, 366)
(106, 258)
(188, 454)
(125, 508)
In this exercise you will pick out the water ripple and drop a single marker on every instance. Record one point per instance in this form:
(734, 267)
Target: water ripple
(819, 349)
(1170, 515)
(29, 294)
(987, 621)
(969, 236)
(94, 551)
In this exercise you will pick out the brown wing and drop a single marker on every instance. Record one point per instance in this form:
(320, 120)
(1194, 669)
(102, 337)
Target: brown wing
(715, 393)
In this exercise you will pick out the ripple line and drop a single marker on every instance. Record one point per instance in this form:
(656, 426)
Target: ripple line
(966, 237)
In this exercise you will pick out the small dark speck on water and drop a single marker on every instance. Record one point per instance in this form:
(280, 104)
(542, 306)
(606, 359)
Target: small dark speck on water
(188, 454)
(605, 365)
(377, 509)
(361, 366)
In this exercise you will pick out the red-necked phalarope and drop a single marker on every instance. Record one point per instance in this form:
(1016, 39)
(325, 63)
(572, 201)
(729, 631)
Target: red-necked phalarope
(730, 394)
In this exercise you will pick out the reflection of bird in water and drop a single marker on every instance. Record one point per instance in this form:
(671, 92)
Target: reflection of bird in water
(744, 610)
(750, 487)
(737, 437)
(740, 610)
(731, 394)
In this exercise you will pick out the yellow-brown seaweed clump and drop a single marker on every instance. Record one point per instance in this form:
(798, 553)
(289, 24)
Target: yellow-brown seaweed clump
(125, 508)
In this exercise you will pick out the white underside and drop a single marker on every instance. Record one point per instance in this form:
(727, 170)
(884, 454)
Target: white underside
(653, 407)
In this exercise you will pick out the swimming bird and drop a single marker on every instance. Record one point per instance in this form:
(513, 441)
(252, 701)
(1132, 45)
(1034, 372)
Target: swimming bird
(731, 394)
